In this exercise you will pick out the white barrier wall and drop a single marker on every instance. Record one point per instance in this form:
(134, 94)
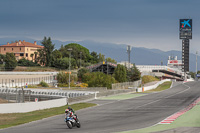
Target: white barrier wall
(153, 86)
(28, 107)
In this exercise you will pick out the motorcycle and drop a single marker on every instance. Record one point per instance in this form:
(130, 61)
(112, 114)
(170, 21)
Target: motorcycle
(71, 122)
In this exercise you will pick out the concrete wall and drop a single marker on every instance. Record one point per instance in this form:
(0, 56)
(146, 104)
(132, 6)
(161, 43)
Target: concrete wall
(153, 86)
(32, 106)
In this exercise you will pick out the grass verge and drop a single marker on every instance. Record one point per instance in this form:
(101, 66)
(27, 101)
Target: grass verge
(148, 78)
(8, 120)
(163, 86)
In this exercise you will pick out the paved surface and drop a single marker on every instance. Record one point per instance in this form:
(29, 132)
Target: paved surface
(115, 115)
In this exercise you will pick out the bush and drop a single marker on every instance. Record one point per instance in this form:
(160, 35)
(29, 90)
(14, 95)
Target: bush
(63, 78)
(62, 85)
(81, 72)
(32, 86)
(25, 62)
(82, 85)
(43, 84)
(10, 61)
(148, 78)
(99, 79)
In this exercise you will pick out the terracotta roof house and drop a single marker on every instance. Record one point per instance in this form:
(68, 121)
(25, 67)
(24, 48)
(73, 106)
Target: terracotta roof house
(21, 49)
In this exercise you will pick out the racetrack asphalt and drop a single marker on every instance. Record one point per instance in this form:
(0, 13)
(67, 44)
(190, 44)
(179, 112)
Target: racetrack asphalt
(119, 115)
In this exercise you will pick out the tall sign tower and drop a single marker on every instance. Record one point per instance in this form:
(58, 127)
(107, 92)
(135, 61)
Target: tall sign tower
(129, 52)
(185, 34)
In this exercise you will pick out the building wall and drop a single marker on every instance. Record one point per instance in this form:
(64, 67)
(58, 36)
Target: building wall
(16, 50)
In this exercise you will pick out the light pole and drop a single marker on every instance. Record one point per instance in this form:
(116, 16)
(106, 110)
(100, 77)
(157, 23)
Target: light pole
(69, 49)
(196, 64)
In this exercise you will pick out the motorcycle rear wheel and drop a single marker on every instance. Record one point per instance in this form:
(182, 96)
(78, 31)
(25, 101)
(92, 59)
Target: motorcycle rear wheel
(78, 124)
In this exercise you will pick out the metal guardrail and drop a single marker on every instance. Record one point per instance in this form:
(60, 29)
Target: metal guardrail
(20, 92)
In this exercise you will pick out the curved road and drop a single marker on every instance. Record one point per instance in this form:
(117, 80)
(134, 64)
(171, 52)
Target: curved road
(116, 116)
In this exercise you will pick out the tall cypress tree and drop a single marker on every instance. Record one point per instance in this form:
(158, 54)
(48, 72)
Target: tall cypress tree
(48, 49)
(120, 73)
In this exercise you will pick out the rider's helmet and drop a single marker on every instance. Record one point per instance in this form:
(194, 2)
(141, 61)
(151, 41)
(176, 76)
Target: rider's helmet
(67, 111)
(70, 108)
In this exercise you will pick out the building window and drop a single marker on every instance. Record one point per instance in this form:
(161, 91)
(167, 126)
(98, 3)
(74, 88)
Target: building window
(27, 49)
(12, 49)
(4, 49)
(26, 54)
(20, 49)
(21, 54)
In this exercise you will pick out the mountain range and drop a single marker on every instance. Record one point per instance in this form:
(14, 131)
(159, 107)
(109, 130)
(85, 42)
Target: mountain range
(139, 55)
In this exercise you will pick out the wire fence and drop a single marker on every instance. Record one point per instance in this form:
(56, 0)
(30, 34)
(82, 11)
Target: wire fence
(20, 96)
(126, 85)
(19, 82)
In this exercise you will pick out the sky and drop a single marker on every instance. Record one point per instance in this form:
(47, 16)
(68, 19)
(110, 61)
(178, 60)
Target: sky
(139, 23)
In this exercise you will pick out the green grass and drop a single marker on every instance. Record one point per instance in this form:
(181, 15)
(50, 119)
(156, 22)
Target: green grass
(148, 78)
(122, 96)
(163, 86)
(8, 120)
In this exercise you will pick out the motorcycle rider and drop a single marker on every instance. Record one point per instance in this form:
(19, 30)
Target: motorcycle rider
(69, 112)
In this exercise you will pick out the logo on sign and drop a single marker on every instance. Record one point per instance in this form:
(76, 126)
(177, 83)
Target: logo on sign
(173, 61)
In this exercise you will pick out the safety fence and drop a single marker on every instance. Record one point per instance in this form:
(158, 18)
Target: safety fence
(19, 82)
(38, 105)
(23, 95)
(126, 85)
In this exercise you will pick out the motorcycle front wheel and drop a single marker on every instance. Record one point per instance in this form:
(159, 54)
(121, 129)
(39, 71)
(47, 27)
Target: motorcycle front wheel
(69, 124)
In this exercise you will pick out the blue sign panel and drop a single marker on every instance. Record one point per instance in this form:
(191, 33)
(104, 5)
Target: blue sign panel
(198, 75)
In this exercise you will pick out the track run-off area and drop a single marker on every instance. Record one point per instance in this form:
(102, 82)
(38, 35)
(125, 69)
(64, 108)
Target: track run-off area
(118, 115)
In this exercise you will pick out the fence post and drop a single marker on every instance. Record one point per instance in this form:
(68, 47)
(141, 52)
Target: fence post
(29, 95)
(23, 94)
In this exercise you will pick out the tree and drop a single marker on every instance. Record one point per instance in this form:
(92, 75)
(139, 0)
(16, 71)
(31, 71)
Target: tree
(111, 60)
(32, 56)
(48, 49)
(95, 57)
(10, 61)
(192, 74)
(41, 58)
(2, 58)
(81, 72)
(98, 79)
(36, 60)
(135, 74)
(25, 62)
(101, 57)
(64, 63)
(120, 73)
(78, 51)
(56, 56)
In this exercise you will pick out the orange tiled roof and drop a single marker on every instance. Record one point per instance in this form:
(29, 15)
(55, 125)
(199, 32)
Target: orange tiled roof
(22, 44)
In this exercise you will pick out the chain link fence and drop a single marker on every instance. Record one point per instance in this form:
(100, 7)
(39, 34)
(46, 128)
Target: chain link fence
(126, 85)
(19, 95)
(19, 82)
